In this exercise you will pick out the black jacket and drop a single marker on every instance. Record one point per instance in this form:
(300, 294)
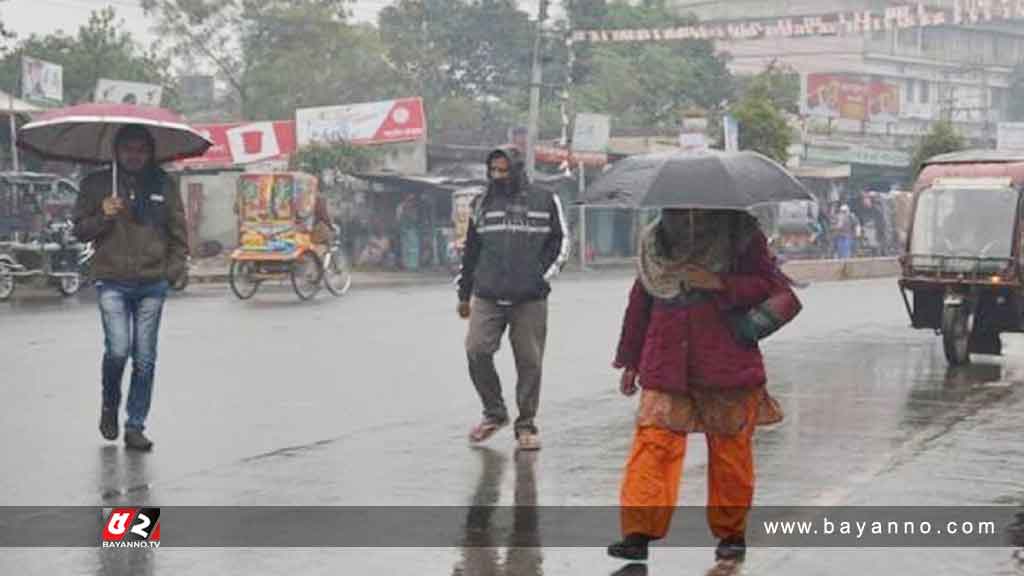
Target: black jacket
(517, 241)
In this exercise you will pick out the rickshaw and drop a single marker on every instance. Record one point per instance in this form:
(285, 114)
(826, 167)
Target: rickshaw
(963, 259)
(282, 224)
(35, 232)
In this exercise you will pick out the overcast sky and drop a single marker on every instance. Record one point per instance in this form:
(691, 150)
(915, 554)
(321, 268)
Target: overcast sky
(26, 17)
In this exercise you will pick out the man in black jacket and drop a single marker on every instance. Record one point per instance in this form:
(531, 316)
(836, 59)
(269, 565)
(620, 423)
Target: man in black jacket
(517, 242)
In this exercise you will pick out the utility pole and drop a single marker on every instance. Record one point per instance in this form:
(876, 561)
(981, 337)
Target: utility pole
(12, 119)
(570, 50)
(535, 84)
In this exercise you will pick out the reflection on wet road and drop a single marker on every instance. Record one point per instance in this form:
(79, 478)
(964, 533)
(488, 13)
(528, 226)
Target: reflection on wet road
(365, 402)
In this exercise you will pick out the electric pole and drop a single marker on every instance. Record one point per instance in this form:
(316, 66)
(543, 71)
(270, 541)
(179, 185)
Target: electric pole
(535, 84)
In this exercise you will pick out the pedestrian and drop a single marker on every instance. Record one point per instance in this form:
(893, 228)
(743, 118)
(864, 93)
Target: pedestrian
(846, 230)
(516, 243)
(707, 290)
(408, 215)
(141, 241)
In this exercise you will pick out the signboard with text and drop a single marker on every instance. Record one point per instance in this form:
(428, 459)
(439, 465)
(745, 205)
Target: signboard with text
(370, 123)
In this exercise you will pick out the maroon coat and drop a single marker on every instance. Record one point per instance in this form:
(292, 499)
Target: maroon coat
(673, 345)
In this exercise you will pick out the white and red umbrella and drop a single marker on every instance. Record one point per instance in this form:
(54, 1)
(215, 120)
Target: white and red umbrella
(85, 133)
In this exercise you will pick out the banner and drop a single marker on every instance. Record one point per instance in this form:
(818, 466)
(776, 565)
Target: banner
(591, 132)
(244, 143)
(850, 98)
(123, 92)
(916, 15)
(41, 81)
(370, 123)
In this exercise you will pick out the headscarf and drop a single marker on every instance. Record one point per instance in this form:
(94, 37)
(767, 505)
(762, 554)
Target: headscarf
(708, 239)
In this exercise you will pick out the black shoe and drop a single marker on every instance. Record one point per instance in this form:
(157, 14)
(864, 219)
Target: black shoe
(632, 547)
(136, 440)
(732, 548)
(108, 423)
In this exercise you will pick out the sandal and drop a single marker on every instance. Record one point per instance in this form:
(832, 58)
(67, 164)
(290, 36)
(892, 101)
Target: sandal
(485, 430)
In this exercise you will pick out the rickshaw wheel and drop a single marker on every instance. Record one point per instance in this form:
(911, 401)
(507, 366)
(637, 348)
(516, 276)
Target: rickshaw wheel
(6, 284)
(337, 273)
(957, 325)
(70, 285)
(307, 272)
(240, 278)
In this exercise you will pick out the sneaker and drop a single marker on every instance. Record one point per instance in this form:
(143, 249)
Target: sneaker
(732, 548)
(108, 423)
(136, 440)
(528, 441)
(485, 430)
(632, 547)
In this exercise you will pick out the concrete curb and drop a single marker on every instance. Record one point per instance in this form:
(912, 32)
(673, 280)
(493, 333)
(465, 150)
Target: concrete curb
(800, 270)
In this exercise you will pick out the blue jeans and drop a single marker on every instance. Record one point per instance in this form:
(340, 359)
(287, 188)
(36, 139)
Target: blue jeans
(844, 247)
(131, 322)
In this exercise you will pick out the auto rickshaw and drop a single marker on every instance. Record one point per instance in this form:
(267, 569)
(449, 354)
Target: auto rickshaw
(962, 265)
(35, 233)
(285, 232)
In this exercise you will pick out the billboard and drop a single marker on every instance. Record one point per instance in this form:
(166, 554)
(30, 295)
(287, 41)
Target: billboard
(123, 92)
(244, 143)
(382, 122)
(41, 81)
(847, 97)
(591, 133)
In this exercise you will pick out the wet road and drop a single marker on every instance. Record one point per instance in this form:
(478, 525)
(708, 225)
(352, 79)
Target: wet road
(365, 401)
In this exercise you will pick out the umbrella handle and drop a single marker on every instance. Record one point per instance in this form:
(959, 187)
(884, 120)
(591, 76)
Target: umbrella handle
(113, 188)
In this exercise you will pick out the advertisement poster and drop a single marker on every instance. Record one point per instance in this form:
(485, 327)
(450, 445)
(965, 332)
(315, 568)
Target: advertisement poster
(244, 143)
(370, 123)
(41, 81)
(850, 98)
(122, 92)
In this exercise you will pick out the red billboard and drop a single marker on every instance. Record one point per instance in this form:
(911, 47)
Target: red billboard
(242, 143)
(851, 98)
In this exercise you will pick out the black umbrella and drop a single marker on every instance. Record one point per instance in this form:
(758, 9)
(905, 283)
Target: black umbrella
(711, 180)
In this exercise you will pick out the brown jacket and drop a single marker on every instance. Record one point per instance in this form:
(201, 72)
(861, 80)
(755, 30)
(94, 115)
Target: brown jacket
(127, 250)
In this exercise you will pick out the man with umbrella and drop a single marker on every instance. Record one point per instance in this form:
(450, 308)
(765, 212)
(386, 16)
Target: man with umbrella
(141, 244)
(134, 216)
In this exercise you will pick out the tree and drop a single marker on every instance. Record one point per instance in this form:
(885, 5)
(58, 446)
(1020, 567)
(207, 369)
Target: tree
(646, 85)
(100, 49)
(777, 82)
(762, 126)
(279, 55)
(6, 35)
(942, 138)
(468, 59)
(341, 157)
(468, 48)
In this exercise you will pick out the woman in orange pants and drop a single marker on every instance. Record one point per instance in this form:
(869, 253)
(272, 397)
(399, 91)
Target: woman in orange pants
(686, 338)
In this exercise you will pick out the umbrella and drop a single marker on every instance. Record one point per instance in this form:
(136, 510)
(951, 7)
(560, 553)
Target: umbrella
(711, 180)
(85, 133)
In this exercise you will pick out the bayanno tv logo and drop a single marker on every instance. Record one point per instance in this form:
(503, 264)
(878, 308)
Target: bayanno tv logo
(131, 528)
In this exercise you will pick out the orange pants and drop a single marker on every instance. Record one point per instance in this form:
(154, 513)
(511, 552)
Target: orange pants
(655, 468)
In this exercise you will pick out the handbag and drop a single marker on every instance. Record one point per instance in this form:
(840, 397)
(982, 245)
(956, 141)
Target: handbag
(759, 322)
